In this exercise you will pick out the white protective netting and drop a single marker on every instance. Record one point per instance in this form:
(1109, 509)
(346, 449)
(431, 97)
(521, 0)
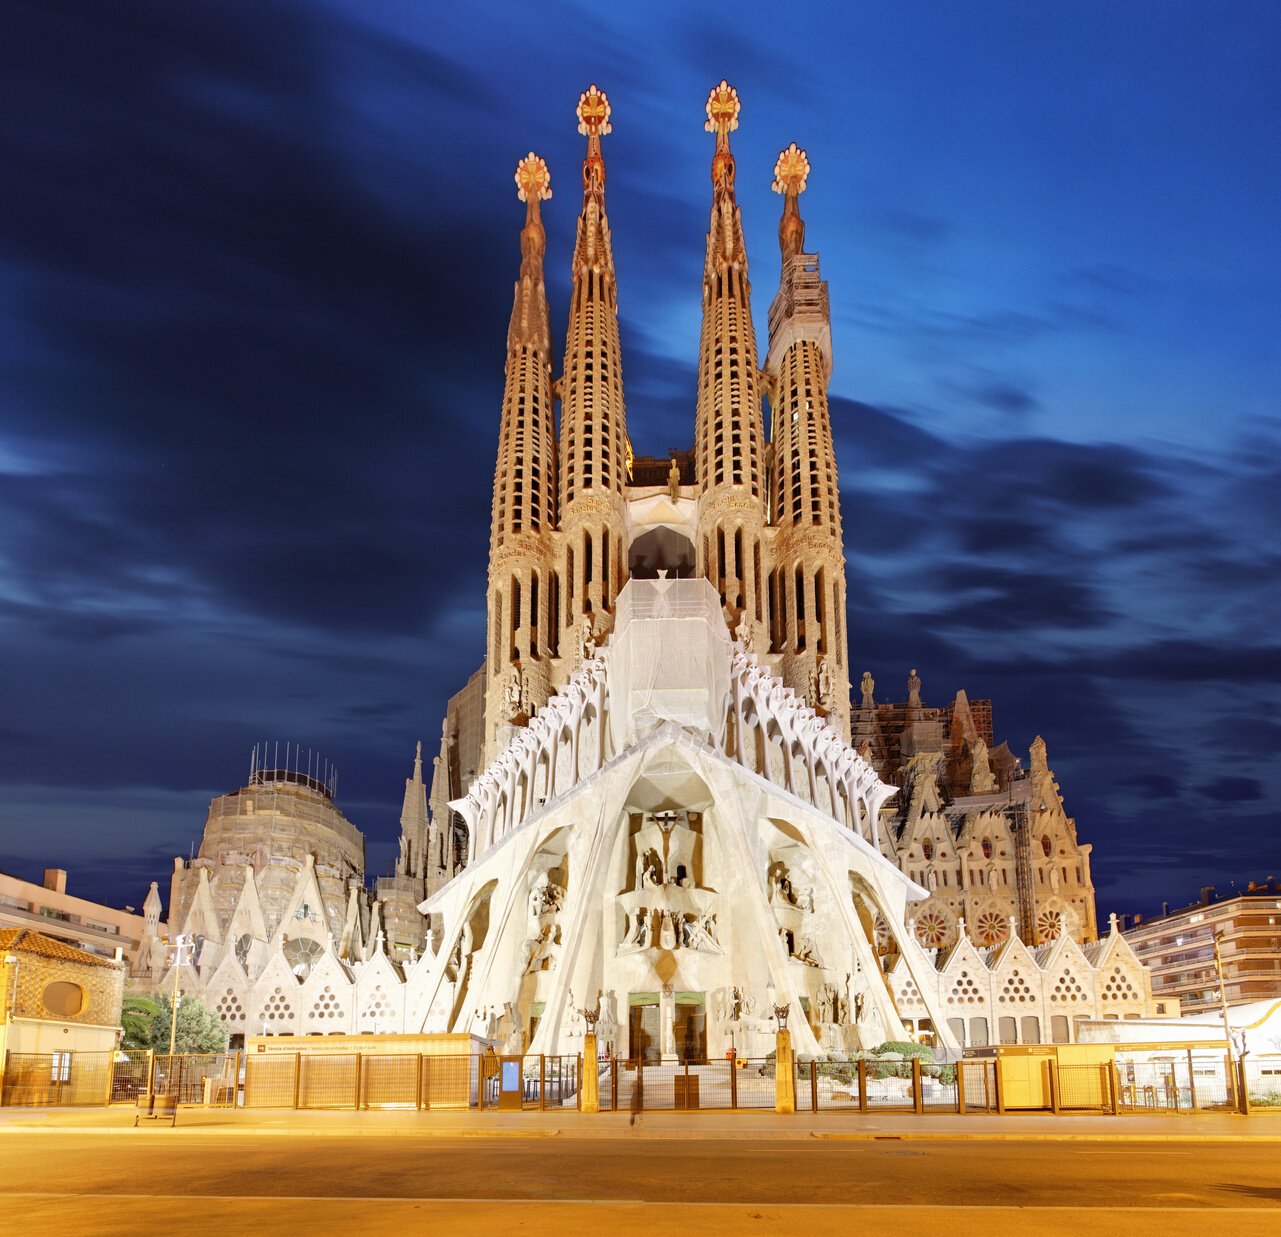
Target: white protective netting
(669, 660)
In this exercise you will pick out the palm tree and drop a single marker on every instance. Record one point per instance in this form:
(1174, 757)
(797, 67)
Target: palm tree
(137, 1016)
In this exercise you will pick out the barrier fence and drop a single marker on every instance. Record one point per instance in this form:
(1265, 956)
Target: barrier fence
(305, 1080)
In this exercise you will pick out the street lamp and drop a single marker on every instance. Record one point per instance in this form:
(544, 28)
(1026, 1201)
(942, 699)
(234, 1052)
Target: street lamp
(180, 943)
(1223, 1005)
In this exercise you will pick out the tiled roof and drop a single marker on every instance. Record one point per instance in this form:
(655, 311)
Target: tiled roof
(25, 941)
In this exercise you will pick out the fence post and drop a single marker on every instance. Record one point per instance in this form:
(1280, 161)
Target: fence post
(784, 1072)
(297, 1076)
(1113, 1087)
(997, 1090)
(960, 1087)
(418, 1083)
(1191, 1083)
(360, 1057)
(542, 1081)
(1052, 1066)
(862, 1085)
(589, 1076)
(111, 1077)
(813, 1086)
(733, 1079)
(918, 1095)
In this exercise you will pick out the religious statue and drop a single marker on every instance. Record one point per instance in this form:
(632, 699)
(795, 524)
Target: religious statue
(745, 633)
(982, 781)
(868, 686)
(514, 1043)
(667, 931)
(637, 930)
(586, 638)
(514, 691)
(649, 869)
(914, 689)
(700, 933)
(820, 693)
(806, 951)
(674, 481)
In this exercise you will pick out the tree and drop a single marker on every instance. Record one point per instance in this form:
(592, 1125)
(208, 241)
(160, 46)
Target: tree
(136, 1017)
(199, 1028)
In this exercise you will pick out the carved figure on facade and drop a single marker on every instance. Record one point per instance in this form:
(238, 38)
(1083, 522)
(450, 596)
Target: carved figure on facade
(586, 638)
(514, 691)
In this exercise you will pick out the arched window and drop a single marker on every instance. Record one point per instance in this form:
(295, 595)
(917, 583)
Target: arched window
(987, 848)
(1046, 845)
(927, 848)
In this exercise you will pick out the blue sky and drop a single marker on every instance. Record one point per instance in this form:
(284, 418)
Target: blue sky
(255, 269)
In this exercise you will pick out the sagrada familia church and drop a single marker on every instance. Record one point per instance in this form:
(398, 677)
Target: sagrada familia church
(665, 796)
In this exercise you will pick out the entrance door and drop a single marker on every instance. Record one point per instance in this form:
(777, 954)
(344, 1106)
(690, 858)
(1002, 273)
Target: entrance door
(645, 1033)
(691, 1027)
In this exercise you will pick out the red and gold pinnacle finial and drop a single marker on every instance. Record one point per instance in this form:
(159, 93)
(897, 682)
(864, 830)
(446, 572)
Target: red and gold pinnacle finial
(593, 112)
(790, 174)
(722, 111)
(593, 120)
(791, 171)
(533, 180)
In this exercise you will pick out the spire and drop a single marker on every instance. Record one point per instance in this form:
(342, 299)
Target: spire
(725, 246)
(413, 822)
(729, 432)
(530, 324)
(790, 175)
(803, 495)
(593, 441)
(524, 506)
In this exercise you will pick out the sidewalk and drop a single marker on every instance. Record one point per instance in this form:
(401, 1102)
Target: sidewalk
(204, 1122)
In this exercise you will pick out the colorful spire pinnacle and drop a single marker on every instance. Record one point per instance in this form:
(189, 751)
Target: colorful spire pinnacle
(593, 122)
(791, 172)
(723, 108)
(533, 180)
(533, 185)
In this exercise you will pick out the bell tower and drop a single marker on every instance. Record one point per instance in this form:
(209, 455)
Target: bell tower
(522, 634)
(594, 448)
(808, 583)
(729, 439)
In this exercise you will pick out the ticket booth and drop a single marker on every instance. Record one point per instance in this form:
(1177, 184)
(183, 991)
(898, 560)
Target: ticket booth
(510, 1084)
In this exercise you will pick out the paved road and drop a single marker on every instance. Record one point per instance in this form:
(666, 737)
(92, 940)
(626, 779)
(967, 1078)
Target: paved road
(73, 1184)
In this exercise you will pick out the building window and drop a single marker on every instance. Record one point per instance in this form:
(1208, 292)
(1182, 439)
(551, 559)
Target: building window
(64, 999)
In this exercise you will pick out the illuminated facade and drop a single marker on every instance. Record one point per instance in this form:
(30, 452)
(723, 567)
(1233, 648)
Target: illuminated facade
(659, 795)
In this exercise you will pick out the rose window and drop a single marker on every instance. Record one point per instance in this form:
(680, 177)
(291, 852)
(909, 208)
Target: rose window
(990, 928)
(931, 929)
(1048, 926)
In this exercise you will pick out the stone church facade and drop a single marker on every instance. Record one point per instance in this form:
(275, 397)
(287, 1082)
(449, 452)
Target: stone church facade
(658, 796)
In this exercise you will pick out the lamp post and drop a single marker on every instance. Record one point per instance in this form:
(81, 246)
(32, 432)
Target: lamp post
(1223, 1006)
(180, 943)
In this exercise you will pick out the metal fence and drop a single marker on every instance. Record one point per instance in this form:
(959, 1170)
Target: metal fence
(686, 1086)
(1181, 1082)
(57, 1078)
(1177, 1084)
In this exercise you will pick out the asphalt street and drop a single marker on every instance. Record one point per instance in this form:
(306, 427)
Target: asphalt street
(73, 1184)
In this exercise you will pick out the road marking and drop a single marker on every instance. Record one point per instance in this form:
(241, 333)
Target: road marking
(622, 1202)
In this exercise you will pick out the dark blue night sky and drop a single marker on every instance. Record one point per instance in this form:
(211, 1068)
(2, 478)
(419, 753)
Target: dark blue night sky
(256, 262)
